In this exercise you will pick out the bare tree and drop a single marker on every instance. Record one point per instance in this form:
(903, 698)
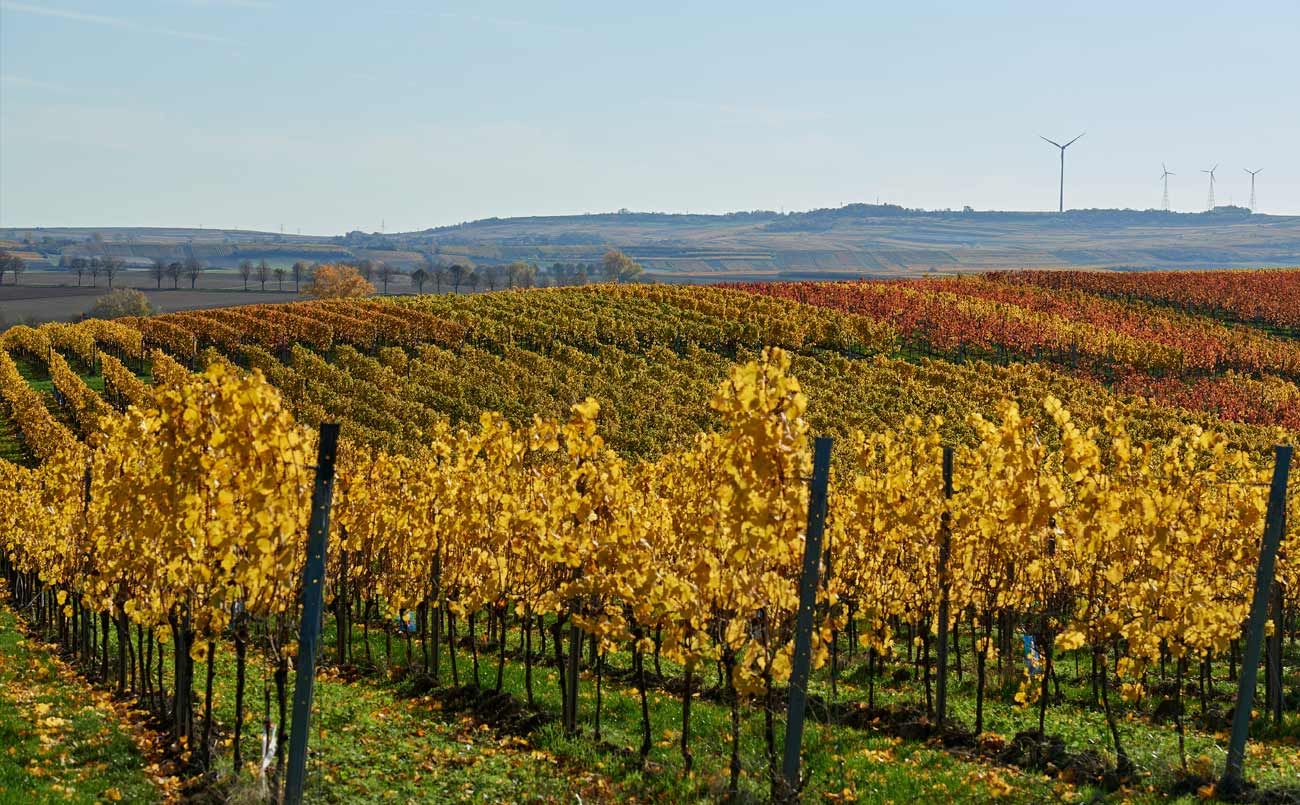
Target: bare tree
(112, 265)
(158, 270)
(245, 271)
(418, 277)
(263, 273)
(459, 273)
(528, 275)
(193, 268)
(174, 270)
(520, 274)
(571, 273)
(492, 275)
(79, 266)
(9, 262)
(280, 274)
(299, 271)
(97, 238)
(439, 274)
(386, 272)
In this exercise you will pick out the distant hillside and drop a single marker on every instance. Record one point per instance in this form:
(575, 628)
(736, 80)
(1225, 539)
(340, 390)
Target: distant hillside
(859, 239)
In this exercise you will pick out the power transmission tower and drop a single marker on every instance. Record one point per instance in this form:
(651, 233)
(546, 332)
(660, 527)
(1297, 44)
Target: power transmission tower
(1252, 186)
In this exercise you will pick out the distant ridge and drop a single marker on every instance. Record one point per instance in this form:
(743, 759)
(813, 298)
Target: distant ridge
(852, 211)
(878, 240)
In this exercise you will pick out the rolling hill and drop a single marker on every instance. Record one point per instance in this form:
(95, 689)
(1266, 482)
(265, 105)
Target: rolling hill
(855, 240)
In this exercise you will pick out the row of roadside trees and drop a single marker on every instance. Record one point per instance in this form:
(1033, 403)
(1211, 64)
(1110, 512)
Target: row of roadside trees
(614, 267)
(263, 273)
(109, 267)
(189, 269)
(438, 277)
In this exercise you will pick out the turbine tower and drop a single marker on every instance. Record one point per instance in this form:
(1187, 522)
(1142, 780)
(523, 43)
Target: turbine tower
(1210, 200)
(1061, 207)
(1252, 186)
(1164, 177)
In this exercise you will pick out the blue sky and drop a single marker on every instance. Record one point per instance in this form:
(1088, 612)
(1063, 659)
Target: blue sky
(328, 116)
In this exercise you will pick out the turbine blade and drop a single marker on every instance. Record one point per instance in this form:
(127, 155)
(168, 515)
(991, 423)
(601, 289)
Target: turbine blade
(1072, 142)
(1053, 142)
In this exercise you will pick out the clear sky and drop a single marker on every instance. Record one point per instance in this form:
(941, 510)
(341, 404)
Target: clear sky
(331, 116)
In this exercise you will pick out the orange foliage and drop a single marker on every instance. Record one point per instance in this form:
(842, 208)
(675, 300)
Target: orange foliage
(336, 281)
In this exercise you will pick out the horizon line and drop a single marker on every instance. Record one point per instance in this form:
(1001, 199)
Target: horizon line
(628, 212)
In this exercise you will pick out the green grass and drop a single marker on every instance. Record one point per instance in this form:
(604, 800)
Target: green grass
(872, 765)
(59, 740)
(372, 746)
(11, 445)
(1272, 756)
(372, 740)
(369, 745)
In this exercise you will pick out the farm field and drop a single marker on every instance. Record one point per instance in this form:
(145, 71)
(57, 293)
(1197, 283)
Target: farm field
(567, 534)
(43, 303)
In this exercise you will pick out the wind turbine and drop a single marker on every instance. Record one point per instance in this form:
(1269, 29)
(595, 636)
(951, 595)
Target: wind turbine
(1252, 186)
(1165, 178)
(1211, 198)
(1061, 208)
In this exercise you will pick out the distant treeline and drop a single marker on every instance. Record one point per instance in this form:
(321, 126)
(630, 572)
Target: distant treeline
(435, 275)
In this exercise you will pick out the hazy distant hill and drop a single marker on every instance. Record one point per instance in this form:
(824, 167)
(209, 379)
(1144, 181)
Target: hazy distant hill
(859, 239)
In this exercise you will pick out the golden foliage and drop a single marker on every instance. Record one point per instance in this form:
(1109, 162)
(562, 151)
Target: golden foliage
(331, 281)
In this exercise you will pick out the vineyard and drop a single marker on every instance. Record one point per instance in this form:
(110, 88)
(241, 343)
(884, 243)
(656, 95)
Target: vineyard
(566, 545)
